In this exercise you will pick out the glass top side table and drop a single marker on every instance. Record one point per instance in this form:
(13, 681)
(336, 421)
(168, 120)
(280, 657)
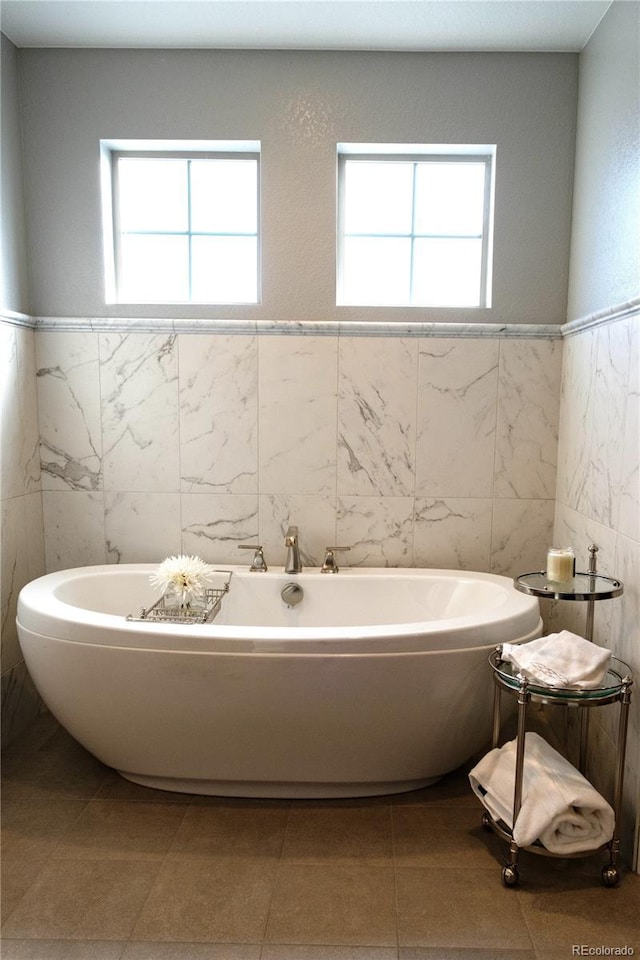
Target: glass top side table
(583, 586)
(589, 586)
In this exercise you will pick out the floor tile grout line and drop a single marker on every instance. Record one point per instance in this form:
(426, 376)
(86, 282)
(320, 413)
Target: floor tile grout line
(185, 813)
(159, 865)
(526, 923)
(20, 898)
(276, 876)
(44, 860)
(395, 877)
(156, 878)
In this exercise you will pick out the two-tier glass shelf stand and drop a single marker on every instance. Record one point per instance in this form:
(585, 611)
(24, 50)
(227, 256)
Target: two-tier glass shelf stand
(616, 687)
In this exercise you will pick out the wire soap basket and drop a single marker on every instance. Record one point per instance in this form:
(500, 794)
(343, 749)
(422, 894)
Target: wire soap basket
(167, 608)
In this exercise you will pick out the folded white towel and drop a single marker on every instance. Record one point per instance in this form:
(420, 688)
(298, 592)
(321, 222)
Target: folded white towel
(560, 660)
(559, 807)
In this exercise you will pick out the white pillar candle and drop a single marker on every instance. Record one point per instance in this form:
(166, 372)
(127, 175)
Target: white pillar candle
(561, 564)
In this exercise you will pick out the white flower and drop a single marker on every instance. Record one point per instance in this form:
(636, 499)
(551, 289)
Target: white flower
(186, 575)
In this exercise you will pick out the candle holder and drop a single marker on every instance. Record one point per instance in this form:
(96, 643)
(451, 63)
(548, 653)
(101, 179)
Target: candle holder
(561, 564)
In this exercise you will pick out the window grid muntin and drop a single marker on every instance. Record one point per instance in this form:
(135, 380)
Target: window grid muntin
(486, 159)
(413, 229)
(188, 156)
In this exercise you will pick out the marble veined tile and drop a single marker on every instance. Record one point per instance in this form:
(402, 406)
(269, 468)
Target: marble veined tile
(573, 529)
(315, 518)
(598, 451)
(14, 572)
(21, 704)
(30, 440)
(576, 419)
(625, 634)
(139, 382)
(213, 524)
(69, 402)
(218, 413)
(457, 397)
(74, 528)
(19, 453)
(11, 483)
(21, 536)
(607, 434)
(592, 424)
(379, 531)
(34, 534)
(629, 506)
(141, 527)
(528, 412)
(521, 535)
(297, 415)
(377, 416)
(453, 534)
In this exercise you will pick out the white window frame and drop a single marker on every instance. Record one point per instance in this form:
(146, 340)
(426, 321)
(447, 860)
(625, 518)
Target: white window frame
(416, 154)
(113, 150)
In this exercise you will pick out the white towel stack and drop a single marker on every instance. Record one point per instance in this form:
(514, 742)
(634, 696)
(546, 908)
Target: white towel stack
(560, 660)
(560, 808)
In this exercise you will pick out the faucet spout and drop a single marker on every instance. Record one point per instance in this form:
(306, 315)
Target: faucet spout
(292, 564)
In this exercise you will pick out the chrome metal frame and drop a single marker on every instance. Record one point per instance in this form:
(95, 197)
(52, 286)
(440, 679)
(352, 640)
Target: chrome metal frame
(618, 691)
(258, 564)
(330, 565)
(293, 564)
(165, 611)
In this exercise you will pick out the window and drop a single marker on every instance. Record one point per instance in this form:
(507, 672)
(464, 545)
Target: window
(414, 225)
(182, 224)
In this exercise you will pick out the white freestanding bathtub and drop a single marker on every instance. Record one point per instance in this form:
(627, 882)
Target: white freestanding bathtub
(377, 682)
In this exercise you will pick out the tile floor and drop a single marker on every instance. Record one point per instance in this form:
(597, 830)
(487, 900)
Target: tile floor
(96, 868)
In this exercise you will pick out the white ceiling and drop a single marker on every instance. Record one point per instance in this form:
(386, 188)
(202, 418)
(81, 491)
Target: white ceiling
(483, 25)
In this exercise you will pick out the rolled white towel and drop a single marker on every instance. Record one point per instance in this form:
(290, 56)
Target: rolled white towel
(560, 808)
(560, 660)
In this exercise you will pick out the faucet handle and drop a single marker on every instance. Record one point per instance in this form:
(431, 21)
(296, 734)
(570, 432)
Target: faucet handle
(258, 564)
(291, 536)
(330, 565)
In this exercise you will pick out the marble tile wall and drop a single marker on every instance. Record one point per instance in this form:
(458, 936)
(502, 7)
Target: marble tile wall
(21, 519)
(427, 451)
(598, 501)
(411, 450)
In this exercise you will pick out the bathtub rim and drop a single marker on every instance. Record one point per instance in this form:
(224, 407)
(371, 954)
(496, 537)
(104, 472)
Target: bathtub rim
(40, 612)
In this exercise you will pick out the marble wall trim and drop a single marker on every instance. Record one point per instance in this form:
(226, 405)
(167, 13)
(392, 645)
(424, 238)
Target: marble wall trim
(315, 328)
(620, 311)
(351, 328)
(16, 319)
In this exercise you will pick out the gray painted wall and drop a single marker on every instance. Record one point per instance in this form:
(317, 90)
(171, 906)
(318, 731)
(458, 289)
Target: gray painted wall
(605, 242)
(13, 253)
(299, 104)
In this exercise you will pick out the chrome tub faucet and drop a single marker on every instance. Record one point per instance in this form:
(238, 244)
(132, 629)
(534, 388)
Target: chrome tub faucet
(330, 565)
(292, 564)
(258, 564)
